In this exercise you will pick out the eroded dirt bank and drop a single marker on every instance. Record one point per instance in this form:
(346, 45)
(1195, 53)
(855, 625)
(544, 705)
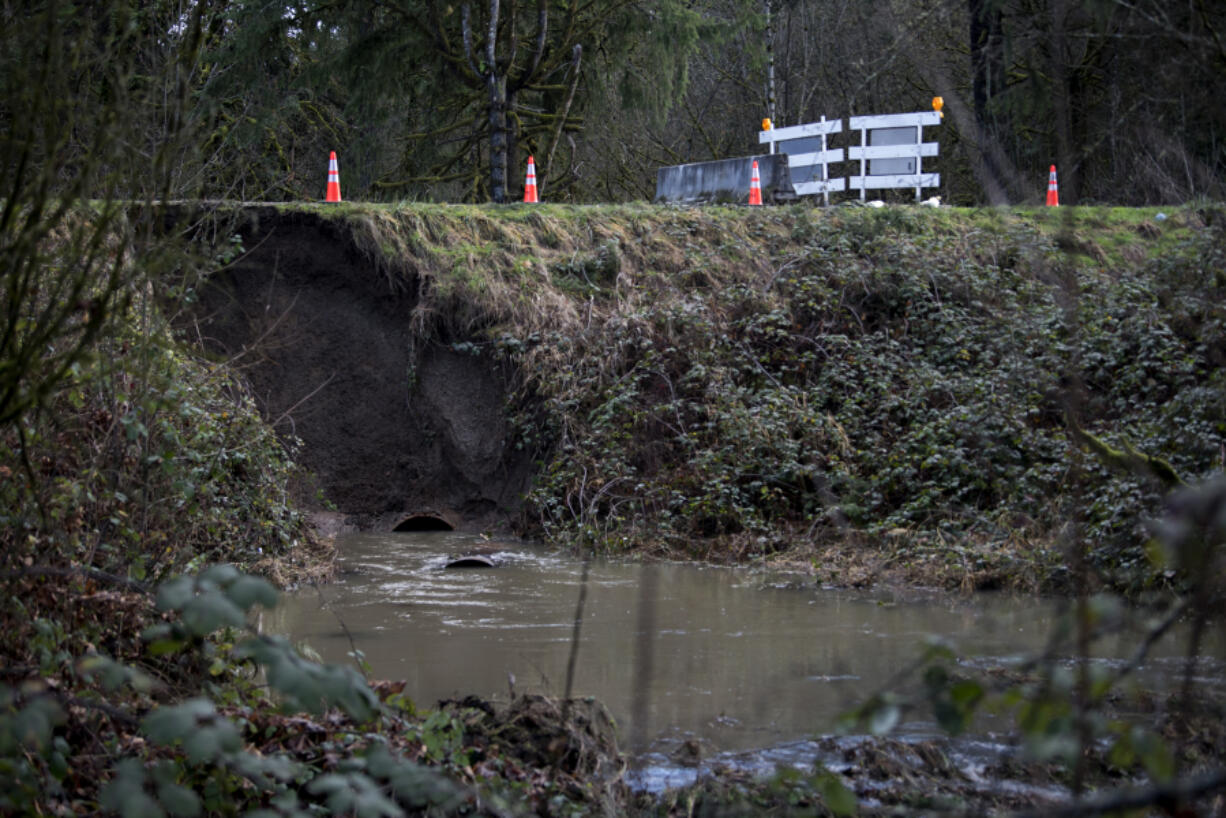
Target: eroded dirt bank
(397, 431)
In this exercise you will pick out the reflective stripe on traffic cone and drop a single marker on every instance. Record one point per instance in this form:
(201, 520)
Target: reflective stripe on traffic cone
(530, 182)
(334, 180)
(755, 186)
(1053, 190)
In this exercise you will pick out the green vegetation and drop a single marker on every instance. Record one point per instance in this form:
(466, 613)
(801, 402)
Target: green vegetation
(148, 461)
(945, 386)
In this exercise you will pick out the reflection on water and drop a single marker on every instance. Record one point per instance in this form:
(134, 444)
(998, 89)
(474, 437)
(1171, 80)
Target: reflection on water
(736, 663)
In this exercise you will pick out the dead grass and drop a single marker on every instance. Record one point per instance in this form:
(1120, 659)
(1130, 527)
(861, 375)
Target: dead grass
(312, 562)
(520, 271)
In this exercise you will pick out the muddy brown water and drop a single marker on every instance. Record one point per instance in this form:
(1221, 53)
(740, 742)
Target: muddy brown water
(742, 663)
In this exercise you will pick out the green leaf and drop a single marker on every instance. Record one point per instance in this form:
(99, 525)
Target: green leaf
(308, 685)
(202, 746)
(179, 800)
(220, 574)
(196, 724)
(57, 762)
(31, 725)
(247, 591)
(966, 693)
(1101, 679)
(951, 717)
(141, 805)
(1061, 746)
(264, 770)
(125, 793)
(328, 784)
(839, 800)
(167, 725)
(176, 593)
(936, 647)
(162, 630)
(210, 611)
(356, 792)
(114, 674)
(1157, 758)
(1121, 753)
(289, 805)
(418, 785)
(161, 647)
(936, 677)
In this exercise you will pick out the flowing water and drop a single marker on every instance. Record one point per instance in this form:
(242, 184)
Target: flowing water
(743, 664)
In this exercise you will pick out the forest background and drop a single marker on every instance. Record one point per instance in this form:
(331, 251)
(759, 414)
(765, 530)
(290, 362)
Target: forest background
(443, 101)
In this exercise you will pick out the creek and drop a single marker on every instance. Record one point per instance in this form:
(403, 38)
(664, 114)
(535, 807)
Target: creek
(746, 666)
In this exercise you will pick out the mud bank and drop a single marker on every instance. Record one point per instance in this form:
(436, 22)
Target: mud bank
(397, 431)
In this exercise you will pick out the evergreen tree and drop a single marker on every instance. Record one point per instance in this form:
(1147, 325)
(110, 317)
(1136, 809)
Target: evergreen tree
(464, 90)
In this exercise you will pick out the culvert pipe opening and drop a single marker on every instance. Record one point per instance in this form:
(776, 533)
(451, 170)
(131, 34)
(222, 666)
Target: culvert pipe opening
(423, 522)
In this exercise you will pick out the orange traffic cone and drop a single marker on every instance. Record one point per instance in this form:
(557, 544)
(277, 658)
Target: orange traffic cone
(755, 186)
(334, 180)
(1053, 190)
(530, 182)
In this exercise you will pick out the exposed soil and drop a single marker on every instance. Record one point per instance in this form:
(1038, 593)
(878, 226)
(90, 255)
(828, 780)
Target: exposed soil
(391, 427)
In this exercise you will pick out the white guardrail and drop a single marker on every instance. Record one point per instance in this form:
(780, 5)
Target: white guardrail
(890, 153)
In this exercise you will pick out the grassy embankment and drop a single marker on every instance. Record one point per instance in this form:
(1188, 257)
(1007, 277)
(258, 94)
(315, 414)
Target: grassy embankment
(859, 393)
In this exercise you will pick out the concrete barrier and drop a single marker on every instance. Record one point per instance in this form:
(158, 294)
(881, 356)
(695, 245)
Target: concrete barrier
(724, 180)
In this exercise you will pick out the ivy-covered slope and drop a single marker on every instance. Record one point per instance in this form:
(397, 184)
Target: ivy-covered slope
(730, 383)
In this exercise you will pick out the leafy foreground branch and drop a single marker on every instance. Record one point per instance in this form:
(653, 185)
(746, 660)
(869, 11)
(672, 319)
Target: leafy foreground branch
(1081, 715)
(189, 728)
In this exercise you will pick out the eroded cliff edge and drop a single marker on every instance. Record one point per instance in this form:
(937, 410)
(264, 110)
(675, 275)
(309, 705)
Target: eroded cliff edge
(392, 426)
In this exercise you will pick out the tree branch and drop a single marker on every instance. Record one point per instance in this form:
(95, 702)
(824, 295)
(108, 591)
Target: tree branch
(561, 120)
(1127, 459)
(122, 716)
(492, 37)
(466, 32)
(542, 31)
(90, 573)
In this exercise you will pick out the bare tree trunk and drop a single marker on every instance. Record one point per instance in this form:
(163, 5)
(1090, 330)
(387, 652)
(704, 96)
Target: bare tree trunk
(1061, 102)
(513, 129)
(496, 88)
(497, 84)
(498, 136)
(987, 72)
(770, 65)
(576, 61)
